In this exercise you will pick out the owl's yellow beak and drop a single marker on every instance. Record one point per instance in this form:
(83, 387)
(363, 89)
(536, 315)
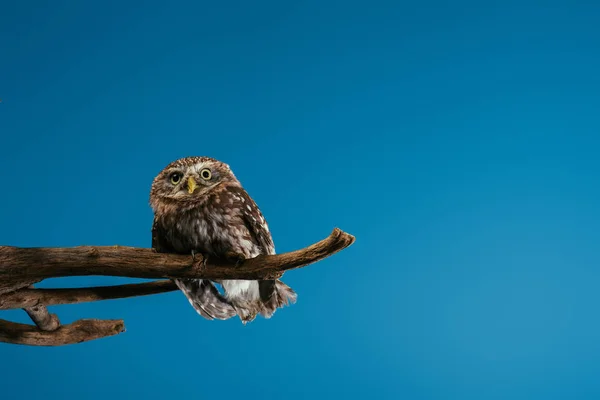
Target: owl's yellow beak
(192, 185)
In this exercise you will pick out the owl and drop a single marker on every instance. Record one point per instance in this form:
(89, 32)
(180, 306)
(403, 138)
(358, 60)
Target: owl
(200, 207)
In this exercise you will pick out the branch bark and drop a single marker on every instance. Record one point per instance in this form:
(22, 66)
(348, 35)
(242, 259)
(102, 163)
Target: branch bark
(21, 265)
(77, 332)
(40, 315)
(48, 297)
(42, 318)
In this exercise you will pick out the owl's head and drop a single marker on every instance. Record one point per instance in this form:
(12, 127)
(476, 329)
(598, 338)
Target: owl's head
(188, 181)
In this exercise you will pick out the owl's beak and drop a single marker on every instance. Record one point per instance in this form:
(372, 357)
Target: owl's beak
(192, 185)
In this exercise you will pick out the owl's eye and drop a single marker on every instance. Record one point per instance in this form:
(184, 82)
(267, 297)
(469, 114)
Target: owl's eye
(206, 174)
(175, 178)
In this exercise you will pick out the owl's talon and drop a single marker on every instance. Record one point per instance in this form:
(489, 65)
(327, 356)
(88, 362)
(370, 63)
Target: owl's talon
(204, 261)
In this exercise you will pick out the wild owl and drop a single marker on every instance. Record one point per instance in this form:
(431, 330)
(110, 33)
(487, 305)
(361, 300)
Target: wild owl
(200, 207)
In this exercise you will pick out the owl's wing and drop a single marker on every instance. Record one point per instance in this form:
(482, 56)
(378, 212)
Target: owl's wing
(201, 293)
(273, 293)
(256, 224)
(158, 240)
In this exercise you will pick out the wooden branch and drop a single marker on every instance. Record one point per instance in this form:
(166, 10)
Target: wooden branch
(20, 265)
(77, 332)
(35, 297)
(42, 318)
(40, 315)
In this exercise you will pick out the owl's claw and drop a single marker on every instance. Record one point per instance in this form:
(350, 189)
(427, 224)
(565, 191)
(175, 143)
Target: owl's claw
(204, 260)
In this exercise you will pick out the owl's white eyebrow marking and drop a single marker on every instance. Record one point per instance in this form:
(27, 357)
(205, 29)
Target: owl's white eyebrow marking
(198, 166)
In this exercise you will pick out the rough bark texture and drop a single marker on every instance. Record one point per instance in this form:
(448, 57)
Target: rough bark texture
(42, 318)
(49, 297)
(77, 332)
(21, 267)
(36, 264)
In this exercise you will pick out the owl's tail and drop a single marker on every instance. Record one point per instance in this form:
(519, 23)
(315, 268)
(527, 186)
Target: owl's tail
(275, 294)
(205, 298)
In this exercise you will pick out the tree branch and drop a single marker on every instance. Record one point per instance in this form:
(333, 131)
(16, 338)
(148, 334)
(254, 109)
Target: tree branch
(48, 297)
(19, 265)
(77, 332)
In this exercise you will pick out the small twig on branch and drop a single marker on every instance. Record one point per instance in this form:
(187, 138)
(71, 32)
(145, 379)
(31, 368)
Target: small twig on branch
(77, 332)
(40, 315)
(32, 297)
(42, 318)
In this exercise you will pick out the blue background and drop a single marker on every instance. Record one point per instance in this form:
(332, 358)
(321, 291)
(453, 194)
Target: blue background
(457, 141)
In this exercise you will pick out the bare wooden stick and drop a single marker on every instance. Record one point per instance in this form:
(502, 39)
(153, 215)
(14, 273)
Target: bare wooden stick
(19, 266)
(35, 297)
(40, 315)
(77, 332)
(42, 318)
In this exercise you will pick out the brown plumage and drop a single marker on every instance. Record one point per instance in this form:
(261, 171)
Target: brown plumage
(200, 207)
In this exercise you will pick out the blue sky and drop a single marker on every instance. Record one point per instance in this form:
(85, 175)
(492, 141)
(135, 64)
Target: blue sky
(458, 141)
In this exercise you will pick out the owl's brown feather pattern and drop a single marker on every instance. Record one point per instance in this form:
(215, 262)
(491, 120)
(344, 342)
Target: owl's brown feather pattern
(200, 206)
